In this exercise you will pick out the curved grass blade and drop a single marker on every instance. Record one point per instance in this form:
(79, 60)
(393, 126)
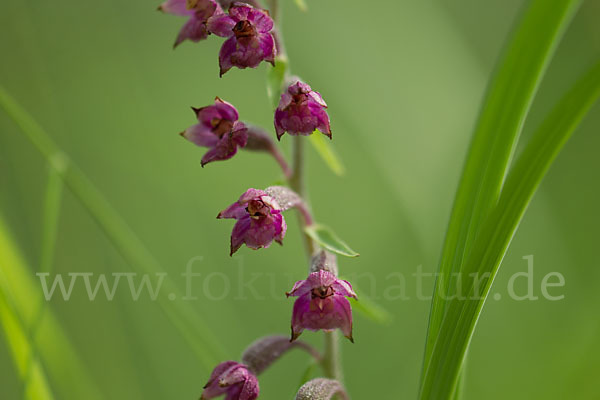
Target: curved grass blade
(28, 366)
(301, 4)
(184, 317)
(19, 300)
(500, 122)
(490, 247)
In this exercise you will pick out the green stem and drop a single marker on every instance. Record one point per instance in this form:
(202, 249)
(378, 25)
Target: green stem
(331, 354)
(297, 184)
(330, 362)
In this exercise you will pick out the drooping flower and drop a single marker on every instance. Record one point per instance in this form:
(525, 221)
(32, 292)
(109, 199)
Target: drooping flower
(301, 110)
(234, 380)
(219, 130)
(259, 220)
(250, 40)
(198, 13)
(322, 304)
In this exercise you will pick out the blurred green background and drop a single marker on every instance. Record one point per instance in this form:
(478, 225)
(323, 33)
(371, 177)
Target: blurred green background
(403, 80)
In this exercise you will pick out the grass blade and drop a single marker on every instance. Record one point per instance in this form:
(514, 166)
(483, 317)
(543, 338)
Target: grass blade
(184, 317)
(26, 361)
(52, 201)
(505, 107)
(19, 300)
(490, 247)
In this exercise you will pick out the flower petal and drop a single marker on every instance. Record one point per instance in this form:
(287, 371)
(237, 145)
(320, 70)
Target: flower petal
(343, 288)
(226, 110)
(321, 278)
(322, 118)
(220, 110)
(344, 312)
(300, 288)
(194, 30)
(301, 308)
(260, 19)
(236, 210)
(250, 389)
(260, 234)
(212, 387)
(225, 54)
(239, 134)
(200, 135)
(251, 194)
(221, 24)
(267, 45)
(239, 11)
(176, 7)
(238, 234)
(222, 151)
(316, 97)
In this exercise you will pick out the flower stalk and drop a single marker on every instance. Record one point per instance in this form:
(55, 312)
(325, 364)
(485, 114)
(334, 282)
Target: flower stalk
(252, 35)
(331, 361)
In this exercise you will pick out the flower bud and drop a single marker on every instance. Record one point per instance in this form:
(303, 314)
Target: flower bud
(321, 389)
(234, 380)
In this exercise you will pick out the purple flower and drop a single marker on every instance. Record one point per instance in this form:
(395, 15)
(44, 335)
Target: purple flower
(198, 11)
(219, 130)
(321, 304)
(233, 379)
(301, 110)
(259, 220)
(249, 40)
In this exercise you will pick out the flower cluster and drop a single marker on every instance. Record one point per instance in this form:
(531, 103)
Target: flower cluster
(247, 29)
(322, 298)
(218, 129)
(322, 304)
(301, 111)
(259, 221)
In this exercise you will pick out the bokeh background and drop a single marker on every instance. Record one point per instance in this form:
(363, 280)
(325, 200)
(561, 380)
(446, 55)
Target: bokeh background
(403, 80)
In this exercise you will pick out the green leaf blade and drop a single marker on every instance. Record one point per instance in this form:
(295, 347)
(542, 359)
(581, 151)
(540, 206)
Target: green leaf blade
(327, 153)
(370, 309)
(275, 80)
(490, 247)
(507, 102)
(329, 240)
(301, 4)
